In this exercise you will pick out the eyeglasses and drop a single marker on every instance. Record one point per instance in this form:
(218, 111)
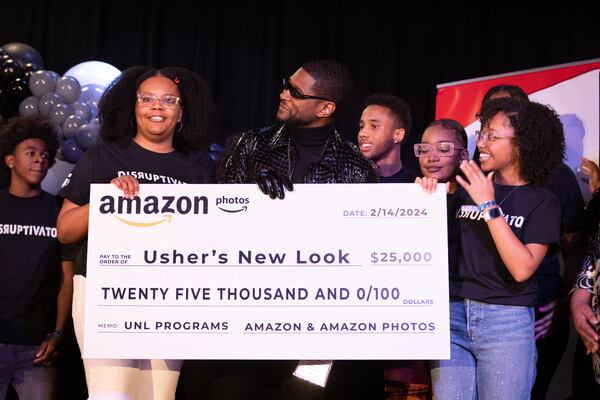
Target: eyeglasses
(295, 93)
(489, 137)
(166, 101)
(441, 149)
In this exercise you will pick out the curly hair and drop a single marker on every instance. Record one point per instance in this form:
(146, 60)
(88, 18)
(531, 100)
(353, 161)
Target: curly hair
(514, 91)
(539, 136)
(333, 80)
(18, 129)
(117, 107)
(454, 126)
(398, 107)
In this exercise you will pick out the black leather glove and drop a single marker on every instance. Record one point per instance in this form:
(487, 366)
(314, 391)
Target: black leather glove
(273, 183)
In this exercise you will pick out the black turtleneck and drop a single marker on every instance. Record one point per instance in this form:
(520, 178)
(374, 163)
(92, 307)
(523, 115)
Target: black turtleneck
(308, 144)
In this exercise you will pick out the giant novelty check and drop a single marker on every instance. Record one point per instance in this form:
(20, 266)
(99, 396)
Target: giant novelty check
(352, 271)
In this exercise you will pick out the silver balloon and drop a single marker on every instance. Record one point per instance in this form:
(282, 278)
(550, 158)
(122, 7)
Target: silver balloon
(84, 110)
(97, 72)
(88, 135)
(55, 75)
(71, 125)
(68, 88)
(59, 133)
(29, 107)
(91, 94)
(60, 113)
(70, 151)
(47, 102)
(41, 82)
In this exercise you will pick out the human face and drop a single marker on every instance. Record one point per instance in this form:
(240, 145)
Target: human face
(300, 112)
(501, 154)
(156, 123)
(28, 164)
(379, 135)
(444, 169)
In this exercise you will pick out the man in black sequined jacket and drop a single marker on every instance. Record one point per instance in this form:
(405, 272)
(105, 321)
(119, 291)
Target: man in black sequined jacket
(304, 147)
(272, 148)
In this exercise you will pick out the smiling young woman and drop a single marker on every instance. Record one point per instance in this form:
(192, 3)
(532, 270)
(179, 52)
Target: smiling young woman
(507, 222)
(156, 127)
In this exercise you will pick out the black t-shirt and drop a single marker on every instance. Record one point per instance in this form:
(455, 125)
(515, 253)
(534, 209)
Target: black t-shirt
(106, 161)
(405, 175)
(564, 186)
(533, 215)
(30, 258)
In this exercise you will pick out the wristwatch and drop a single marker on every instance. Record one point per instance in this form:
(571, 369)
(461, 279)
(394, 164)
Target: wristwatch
(491, 213)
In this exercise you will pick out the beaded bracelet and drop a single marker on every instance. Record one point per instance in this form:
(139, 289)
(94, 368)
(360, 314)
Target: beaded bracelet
(487, 204)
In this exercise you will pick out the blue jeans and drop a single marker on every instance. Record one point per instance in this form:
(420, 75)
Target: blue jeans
(492, 350)
(32, 382)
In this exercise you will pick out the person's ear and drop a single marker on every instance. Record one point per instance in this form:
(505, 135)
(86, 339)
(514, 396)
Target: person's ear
(399, 135)
(326, 110)
(9, 160)
(464, 154)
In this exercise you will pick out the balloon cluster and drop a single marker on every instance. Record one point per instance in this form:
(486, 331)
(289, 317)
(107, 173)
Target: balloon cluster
(70, 101)
(17, 63)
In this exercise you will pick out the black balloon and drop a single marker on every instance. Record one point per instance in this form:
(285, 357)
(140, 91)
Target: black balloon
(10, 70)
(29, 69)
(18, 90)
(9, 109)
(3, 94)
(23, 53)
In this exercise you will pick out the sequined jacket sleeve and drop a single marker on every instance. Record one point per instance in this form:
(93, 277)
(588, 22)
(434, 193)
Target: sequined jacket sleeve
(590, 267)
(234, 167)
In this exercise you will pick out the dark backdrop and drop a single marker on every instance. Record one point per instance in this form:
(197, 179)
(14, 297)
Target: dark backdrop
(244, 49)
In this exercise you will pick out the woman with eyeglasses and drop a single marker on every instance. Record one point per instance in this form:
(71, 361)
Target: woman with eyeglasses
(443, 146)
(507, 222)
(156, 127)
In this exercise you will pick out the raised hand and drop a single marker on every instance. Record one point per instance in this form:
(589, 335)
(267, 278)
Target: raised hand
(479, 186)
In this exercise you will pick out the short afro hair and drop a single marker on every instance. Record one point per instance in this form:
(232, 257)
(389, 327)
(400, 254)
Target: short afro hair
(19, 129)
(539, 136)
(332, 80)
(398, 107)
(454, 126)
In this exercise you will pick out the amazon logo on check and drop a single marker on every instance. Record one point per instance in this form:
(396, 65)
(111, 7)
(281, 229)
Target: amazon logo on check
(160, 208)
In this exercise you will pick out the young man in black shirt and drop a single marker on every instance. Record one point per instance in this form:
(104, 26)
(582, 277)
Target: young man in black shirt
(31, 276)
(385, 122)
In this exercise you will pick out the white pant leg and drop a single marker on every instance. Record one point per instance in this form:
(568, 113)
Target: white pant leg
(159, 379)
(123, 379)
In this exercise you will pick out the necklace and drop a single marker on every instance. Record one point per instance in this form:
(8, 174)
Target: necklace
(509, 193)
